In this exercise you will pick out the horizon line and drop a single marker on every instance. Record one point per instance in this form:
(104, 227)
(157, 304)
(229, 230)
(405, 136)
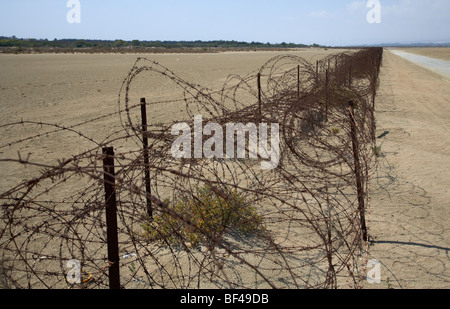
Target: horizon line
(423, 43)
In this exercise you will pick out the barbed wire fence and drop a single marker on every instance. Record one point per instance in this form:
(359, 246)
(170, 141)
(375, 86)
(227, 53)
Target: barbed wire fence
(197, 222)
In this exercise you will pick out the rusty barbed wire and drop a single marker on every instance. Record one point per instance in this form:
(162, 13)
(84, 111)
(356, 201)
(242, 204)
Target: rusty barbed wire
(299, 224)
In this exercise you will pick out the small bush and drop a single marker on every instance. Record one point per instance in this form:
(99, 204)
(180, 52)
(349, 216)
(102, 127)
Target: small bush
(377, 151)
(335, 131)
(211, 217)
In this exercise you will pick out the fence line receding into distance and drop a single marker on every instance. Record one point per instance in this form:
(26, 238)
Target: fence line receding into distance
(205, 223)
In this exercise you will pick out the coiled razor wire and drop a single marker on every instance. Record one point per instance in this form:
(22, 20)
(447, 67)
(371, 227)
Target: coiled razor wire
(312, 236)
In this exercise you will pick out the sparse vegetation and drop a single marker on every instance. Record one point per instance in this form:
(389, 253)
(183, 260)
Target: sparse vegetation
(377, 151)
(211, 217)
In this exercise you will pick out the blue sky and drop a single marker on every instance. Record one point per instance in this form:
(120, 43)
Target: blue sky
(328, 22)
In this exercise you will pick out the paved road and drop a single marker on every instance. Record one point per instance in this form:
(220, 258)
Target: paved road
(438, 66)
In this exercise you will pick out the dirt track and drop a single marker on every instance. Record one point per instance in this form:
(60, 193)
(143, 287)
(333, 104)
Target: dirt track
(435, 65)
(409, 216)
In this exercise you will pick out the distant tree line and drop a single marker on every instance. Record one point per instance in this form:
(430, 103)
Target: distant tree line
(74, 44)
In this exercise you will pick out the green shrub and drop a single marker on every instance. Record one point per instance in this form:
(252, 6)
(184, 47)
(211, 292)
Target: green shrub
(335, 131)
(211, 217)
(377, 151)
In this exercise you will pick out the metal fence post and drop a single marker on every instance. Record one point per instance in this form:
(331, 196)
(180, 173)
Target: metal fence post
(359, 183)
(298, 82)
(111, 217)
(146, 157)
(259, 97)
(317, 72)
(350, 75)
(326, 94)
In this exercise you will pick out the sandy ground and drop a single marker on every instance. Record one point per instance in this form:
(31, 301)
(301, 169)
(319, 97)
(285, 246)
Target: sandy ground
(409, 215)
(69, 89)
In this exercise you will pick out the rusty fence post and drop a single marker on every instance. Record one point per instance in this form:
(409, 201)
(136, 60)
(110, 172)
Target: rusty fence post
(374, 83)
(350, 75)
(317, 72)
(298, 82)
(146, 157)
(359, 182)
(111, 217)
(326, 94)
(259, 97)
(374, 126)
